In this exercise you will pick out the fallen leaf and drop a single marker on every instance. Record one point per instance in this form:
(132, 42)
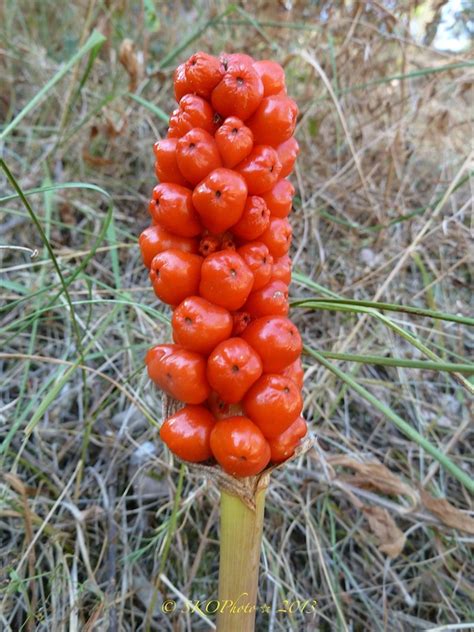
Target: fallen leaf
(97, 161)
(447, 513)
(132, 61)
(391, 538)
(374, 476)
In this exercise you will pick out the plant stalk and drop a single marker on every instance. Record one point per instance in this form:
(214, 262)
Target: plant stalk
(240, 542)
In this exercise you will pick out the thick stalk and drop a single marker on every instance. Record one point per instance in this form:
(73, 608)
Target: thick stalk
(240, 541)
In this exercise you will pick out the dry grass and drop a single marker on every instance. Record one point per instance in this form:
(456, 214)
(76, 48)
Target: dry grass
(383, 213)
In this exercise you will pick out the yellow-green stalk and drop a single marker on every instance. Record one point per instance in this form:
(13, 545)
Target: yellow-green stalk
(240, 543)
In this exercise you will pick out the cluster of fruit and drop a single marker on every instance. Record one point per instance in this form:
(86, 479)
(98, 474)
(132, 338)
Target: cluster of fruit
(217, 252)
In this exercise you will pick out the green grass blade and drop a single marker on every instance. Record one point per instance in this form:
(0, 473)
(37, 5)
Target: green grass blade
(450, 367)
(400, 423)
(56, 187)
(394, 327)
(96, 39)
(51, 254)
(392, 307)
(161, 114)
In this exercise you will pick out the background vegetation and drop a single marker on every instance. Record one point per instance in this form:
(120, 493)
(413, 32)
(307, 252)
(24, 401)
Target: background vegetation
(98, 525)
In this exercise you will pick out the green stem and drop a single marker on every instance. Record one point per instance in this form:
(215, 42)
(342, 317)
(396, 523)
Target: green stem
(240, 542)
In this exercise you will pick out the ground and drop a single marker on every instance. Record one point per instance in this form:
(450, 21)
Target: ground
(94, 512)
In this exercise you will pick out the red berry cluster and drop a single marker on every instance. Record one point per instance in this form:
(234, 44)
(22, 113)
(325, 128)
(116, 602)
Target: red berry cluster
(217, 251)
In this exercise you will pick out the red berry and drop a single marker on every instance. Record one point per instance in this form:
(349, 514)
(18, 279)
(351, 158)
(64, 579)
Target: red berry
(260, 169)
(197, 155)
(172, 207)
(273, 403)
(259, 260)
(283, 445)
(277, 237)
(281, 270)
(239, 447)
(199, 325)
(175, 275)
(203, 73)
(280, 198)
(193, 111)
(274, 121)
(234, 141)
(181, 84)
(226, 280)
(155, 239)
(166, 167)
(254, 221)
(287, 154)
(187, 433)
(232, 368)
(272, 76)
(239, 93)
(220, 199)
(268, 300)
(276, 340)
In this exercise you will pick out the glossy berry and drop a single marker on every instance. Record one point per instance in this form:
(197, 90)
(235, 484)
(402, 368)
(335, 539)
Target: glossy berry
(181, 84)
(239, 447)
(295, 372)
(258, 258)
(155, 239)
(193, 111)
(277, 237)
(179, 372)
(226, 280)
(199, 325)
(234, 141)
(281, 270)
(203, 73)
(187, 433)
(239, 93)
(280, 198)
(197, 155)
(260, 169)
(283, 446)
(268, 300)
(274, 121)
(272, 76)
(172, 208)
(220, 199)
(166, 167)
(273, 403)
(276, 340)
(175, 275)
(227, 59)
(232, 368)
(254, 221)
(287, 154)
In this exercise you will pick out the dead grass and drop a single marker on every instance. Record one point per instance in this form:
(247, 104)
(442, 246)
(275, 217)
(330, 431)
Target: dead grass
(383, 213)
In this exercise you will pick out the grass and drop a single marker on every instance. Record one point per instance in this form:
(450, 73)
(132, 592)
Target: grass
(98, 524)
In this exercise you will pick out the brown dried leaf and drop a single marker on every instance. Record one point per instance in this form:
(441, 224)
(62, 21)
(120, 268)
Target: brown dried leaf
(97, 161)
(132, 62)
(374, 476)
(391, 538)
(447, 513)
